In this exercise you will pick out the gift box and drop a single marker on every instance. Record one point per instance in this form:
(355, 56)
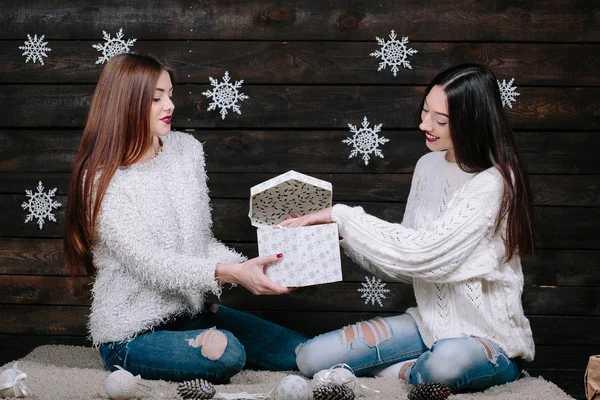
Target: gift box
(311, 254)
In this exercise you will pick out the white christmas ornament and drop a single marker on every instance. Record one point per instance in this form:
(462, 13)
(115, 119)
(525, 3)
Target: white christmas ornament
(225, 95)
(342, 374)
(35, 49)
(121, 385)
(365, 141)
(373, 291)
(113, 46)
(393, 53)
(507, 92)
(293, 387)
(12, 383)
(40, 205)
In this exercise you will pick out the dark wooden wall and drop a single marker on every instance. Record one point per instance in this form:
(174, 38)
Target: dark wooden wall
(307, 69)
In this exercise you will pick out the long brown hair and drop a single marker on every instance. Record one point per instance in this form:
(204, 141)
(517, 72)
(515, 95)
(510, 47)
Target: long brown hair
(116, 134)
(482, 138)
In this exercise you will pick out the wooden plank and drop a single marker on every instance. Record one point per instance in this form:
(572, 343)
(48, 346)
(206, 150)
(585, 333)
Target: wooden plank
(559, 227)
(326, 107)
(46, 290)
(553, 190)
(549, 267)
(72, 320)
(536, 20)
(14, 347)
(316, 62)
(44, 320)
(561, 357)
(32, 257)
(340, 296)
(52, 151)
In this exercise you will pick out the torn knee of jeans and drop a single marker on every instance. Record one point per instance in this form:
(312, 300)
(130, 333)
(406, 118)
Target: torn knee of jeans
(212, 343)
(490, 350)
(373, 332)
(298, 348)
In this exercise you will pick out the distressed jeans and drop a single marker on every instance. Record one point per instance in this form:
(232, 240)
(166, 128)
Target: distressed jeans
(467, 363)
(214, 345)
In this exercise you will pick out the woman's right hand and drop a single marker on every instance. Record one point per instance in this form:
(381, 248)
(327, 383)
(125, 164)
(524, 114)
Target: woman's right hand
(251, 275)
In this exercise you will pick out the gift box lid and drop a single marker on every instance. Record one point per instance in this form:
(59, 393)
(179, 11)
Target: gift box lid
(289, 193)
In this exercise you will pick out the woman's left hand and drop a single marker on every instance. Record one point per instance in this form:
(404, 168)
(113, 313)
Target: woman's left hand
(316, 218)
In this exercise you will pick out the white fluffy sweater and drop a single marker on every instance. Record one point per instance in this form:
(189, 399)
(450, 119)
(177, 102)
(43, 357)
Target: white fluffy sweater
(155, 253)
(446, 247)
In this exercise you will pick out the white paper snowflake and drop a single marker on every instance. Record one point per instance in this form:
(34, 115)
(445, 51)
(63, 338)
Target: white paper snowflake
(35, 49)
(225, 95)
(507, 92)
(40, 205)
(365, 141)
(373, 291)
(393, 53)
(113, 46)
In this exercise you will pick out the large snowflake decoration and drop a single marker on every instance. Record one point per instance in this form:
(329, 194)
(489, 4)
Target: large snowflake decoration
(35, 49)
(373, 291)
(365, 141)
(40, 205)
(225, 95)
(507, 92)
(393, 53)
(113, 46)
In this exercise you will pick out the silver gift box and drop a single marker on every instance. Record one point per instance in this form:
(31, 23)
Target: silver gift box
(311, 254)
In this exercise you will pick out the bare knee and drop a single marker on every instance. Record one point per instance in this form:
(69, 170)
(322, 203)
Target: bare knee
(212, 343)
(372, 332)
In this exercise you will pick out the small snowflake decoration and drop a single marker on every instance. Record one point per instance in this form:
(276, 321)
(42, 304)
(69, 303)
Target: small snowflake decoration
(365, 140)
(393, 53)
(373, 291)
(113, 46)
(35, 49)
(40, 205)
(507, 92)
(225, 95)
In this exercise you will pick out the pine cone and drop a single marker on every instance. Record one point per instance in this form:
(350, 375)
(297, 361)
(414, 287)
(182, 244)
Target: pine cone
(196, 389)
(430, 391)
(333, 391)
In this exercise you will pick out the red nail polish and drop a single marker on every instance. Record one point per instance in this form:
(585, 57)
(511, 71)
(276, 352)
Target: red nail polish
(279, 255)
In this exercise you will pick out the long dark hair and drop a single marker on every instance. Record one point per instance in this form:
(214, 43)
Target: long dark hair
(482, 138)
(117, 133)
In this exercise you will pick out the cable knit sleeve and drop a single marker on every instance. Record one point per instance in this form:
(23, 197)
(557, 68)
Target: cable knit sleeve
(433, 253)
(136, 249)
(408, 218)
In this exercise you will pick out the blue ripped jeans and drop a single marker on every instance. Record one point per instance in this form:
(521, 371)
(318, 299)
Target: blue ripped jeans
(214, 345)
(467, 363)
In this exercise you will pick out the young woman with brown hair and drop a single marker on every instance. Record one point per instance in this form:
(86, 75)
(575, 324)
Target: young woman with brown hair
(138, 220)
(467, 221)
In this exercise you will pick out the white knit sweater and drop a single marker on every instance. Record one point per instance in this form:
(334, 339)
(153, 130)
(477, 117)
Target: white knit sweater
(155, 253)
(446, 247)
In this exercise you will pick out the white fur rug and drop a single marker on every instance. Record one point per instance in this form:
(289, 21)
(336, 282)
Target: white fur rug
(75, 373)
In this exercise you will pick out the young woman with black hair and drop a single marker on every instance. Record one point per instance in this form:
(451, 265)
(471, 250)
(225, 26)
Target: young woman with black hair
(468, 220)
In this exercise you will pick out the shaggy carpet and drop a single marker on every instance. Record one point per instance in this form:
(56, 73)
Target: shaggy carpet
(75, 373)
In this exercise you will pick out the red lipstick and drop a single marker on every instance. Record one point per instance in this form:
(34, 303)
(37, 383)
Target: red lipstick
(166, 120)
